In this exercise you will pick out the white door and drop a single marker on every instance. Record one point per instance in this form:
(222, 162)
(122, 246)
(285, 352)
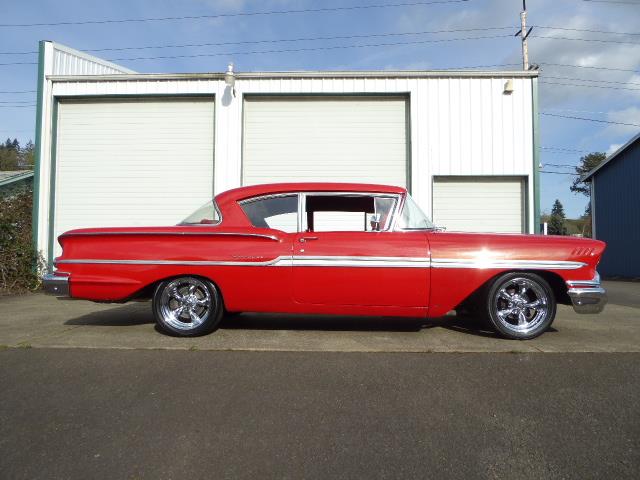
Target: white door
(335, 139)
(132, 162)
(479, 204)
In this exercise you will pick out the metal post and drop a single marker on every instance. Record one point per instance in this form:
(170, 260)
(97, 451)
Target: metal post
(524, 35)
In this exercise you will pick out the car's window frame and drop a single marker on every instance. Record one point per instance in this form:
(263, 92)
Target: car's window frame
(267, 197)
(302, 206)
(399, 211)
(216, 210)
(302, 221)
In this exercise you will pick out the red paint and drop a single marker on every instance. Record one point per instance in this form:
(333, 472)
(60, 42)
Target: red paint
(307, 289)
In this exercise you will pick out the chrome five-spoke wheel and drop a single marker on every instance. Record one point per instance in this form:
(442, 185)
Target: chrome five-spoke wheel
(521, 305)
(187, 306)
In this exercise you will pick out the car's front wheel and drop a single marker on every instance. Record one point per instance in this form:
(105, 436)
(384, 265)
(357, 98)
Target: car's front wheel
(187, 306)
(520, 306)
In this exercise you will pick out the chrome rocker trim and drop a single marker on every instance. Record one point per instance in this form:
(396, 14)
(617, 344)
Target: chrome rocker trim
(587, 296)
(56, 285)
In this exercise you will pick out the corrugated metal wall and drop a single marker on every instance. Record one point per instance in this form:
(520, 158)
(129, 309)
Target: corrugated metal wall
(458, 124)
(617, 213)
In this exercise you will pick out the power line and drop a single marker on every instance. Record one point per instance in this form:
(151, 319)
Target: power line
(310, 49)
(560, 165)
(565, 149)
(16, 101)
(612, 1)
(283, 40)
(232, 15)
(598, 40)
(290, 50)
(589, 66)
(586, 30)
(17, 91)
(590, 119)
(606, 87)
(17, 106)
(559, 173)
(590, 80)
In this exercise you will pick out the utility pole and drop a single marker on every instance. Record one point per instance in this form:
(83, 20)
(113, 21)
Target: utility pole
(523, 35)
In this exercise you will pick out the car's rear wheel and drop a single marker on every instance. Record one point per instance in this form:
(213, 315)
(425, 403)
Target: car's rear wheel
(520, 306)
(187, 306)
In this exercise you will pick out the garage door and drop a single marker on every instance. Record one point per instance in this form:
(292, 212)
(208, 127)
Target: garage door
(132, 162)
(340, 139)
(479, 204)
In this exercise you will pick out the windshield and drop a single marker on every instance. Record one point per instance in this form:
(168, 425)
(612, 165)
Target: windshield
(205, 215)
(412, 217)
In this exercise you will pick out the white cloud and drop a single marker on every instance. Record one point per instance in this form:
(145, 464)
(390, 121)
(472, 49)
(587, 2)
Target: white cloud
(613, 147)
(630, 115)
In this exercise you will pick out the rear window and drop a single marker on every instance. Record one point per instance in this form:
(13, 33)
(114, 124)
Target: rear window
(279, 213)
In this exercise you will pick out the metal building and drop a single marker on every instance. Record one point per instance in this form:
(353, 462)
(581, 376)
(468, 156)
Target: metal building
(615, 207)
(116, 147)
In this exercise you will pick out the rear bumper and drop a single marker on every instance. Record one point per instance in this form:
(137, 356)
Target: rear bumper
(56, 284)
(587, 296)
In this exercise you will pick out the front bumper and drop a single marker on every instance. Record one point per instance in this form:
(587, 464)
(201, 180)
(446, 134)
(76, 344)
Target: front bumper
(56, 284)
(587, 296)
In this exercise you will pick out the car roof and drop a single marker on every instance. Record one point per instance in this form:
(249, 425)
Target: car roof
(241, 193)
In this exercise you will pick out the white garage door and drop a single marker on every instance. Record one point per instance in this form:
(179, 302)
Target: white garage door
(132, 162)
(479, 204)
(339, 139)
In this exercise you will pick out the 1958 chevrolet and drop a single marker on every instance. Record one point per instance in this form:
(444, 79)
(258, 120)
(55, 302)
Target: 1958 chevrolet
(327, 248)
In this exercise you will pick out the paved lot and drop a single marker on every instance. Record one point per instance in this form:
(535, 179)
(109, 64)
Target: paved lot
(77, 413)
(42, 321)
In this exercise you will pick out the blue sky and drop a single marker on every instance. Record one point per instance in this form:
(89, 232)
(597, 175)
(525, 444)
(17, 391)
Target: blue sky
(609, 95)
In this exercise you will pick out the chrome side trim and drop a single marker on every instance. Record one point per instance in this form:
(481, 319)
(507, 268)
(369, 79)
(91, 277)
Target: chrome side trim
(56, 285)
(346, 261)
(486, 264)
(233, 234)
(99, 261)
(387, 262)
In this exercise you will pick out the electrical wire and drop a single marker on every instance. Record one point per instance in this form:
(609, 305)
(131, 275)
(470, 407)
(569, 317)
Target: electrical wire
(590, 119)
(589, 66)
(232, 15)
(559, 173)
(606, 87)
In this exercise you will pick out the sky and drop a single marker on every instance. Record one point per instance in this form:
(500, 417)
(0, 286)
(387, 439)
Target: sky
(591, 69)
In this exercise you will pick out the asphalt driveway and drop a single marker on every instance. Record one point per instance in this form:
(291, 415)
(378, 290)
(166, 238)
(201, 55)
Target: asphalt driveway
(38, 320)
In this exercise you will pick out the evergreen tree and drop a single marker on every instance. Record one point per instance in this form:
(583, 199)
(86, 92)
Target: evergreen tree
(556, 220)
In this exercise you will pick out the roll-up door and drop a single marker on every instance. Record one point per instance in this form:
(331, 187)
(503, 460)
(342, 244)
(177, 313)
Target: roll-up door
(479, 204)
(132, 162)
(337, 139)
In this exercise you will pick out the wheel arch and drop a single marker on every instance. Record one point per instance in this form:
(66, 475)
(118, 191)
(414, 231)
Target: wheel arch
(555, 281)
(147, 292)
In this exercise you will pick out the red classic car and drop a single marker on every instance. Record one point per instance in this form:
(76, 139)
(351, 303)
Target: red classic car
(327, 248)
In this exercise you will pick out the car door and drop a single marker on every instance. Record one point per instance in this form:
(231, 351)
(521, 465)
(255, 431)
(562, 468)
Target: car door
(353, 264)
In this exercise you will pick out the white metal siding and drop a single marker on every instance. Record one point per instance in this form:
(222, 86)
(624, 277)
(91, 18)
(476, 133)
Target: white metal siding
(352, 139)
(459, 125)
(481, 204)
(127, 162)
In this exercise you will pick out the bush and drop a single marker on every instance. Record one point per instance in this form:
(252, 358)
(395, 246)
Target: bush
(20, 265)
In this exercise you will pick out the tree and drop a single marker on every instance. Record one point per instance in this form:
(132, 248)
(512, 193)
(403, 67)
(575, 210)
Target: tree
(9, 154)
(556, 219)
(587, 163)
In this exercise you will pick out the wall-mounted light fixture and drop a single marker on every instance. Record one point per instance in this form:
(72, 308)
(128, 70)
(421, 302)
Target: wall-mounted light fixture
(508, 87)
(230, 79)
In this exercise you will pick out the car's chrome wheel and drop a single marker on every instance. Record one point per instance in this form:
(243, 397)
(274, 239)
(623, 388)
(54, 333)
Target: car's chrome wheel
(521, 306)
(187, 306)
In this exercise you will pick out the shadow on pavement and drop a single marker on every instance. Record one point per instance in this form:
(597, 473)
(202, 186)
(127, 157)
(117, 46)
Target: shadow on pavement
(133, 314)
(123, 316)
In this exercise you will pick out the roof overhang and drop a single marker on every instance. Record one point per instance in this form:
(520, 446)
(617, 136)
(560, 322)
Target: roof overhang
(300, 74)
(611, 157)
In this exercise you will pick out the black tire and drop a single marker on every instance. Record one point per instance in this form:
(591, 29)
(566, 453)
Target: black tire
(187, 306)
(520, 306)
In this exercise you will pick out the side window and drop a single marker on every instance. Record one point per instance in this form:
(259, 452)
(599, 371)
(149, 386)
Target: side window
(280, 213)
(348, 213)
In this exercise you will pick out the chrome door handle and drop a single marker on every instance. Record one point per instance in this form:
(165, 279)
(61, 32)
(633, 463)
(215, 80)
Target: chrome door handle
(307, 239)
